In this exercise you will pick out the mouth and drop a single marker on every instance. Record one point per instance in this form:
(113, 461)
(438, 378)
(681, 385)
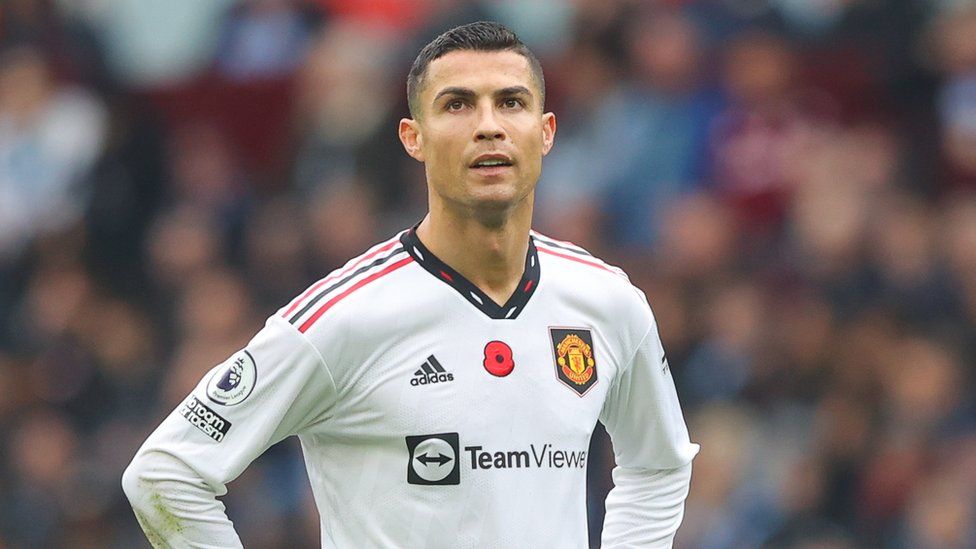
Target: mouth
(491, 163)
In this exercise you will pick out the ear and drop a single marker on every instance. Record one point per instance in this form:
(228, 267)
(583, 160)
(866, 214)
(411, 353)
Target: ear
(548, 131)
(413, 142)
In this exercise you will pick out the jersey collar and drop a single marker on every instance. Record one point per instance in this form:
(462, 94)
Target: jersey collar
(443, 272)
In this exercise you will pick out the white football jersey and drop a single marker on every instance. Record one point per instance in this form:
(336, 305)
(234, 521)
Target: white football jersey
(430, 416)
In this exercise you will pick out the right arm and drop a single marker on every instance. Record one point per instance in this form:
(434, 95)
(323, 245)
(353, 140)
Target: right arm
(280, 386)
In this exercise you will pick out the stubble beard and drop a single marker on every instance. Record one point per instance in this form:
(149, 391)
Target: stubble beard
(490, 209)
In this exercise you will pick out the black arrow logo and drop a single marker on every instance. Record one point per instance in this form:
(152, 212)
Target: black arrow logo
(441, 459)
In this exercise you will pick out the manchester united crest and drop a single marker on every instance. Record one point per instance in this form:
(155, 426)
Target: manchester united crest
(575, 358)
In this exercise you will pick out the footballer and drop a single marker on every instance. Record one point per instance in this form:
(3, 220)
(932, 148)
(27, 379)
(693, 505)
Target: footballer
(445, 384)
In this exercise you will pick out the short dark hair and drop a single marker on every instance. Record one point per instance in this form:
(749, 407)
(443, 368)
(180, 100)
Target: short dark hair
(480, 36)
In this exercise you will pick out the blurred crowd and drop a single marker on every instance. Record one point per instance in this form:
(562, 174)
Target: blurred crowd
(791, 182)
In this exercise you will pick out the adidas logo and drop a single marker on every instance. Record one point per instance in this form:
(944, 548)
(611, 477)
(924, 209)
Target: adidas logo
(431, 372)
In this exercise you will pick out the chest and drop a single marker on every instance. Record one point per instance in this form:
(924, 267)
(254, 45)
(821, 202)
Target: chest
(534, 381)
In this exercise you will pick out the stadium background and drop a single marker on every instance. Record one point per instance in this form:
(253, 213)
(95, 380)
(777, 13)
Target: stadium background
(793, 184)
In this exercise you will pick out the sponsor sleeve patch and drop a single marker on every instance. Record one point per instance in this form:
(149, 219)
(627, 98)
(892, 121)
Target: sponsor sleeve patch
(202, 417)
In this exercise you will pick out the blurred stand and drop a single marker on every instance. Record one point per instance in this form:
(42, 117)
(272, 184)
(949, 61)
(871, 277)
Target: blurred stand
(792, 183)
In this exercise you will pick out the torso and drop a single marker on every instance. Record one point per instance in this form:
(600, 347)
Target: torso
(437, 438)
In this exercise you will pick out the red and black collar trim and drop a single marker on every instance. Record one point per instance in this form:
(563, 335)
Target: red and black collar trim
(443, 272)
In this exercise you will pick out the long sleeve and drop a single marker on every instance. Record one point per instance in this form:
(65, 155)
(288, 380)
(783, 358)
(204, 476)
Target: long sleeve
(652, 450)
(278, 385)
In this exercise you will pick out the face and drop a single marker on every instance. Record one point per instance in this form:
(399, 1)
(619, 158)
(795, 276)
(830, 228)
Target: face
(480, 132)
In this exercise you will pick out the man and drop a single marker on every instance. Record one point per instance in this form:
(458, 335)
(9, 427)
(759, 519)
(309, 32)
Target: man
(445, 384)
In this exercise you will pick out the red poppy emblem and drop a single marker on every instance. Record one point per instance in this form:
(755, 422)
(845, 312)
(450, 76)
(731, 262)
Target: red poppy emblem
(498, 359)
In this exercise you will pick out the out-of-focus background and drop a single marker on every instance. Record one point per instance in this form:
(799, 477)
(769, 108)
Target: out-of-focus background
(792, 183)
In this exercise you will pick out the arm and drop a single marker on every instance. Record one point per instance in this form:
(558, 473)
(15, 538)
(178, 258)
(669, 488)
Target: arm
(652, 451)
(279, 386)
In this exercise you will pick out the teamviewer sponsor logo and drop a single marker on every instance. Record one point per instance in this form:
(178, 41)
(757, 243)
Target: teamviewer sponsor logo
(431, 372)
(433, 459)
(543, 456)
(202, 417)
(436, 460)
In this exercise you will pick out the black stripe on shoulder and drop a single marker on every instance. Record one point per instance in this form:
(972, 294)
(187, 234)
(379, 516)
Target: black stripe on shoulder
(551, 243)
(375, 263)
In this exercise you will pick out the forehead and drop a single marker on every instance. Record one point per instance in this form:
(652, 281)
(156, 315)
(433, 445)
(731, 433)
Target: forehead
(479, 71)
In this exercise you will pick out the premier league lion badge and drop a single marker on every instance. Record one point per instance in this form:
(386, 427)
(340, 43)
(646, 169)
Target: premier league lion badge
(234, 380)
(575, 358)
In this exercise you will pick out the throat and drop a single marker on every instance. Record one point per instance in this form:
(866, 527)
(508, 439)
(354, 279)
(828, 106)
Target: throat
(500, 293)
(492, 258)
(496, 273)
(486, 273)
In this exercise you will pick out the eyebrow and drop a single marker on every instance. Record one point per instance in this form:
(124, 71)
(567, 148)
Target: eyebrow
(454, 90)
(513, 90)
(468, 93)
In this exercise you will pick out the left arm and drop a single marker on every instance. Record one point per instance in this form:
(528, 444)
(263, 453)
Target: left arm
(652, 451)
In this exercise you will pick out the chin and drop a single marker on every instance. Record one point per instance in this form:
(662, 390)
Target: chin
(496, 205)
(496, 196)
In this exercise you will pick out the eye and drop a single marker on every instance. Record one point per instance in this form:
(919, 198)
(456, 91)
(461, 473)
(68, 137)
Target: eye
(512, 103)
(454, 105)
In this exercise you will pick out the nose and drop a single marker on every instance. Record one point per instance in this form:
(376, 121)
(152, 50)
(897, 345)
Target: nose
(488, 126)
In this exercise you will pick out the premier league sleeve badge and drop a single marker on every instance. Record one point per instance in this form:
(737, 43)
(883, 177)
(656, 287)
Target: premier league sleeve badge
(234, 381)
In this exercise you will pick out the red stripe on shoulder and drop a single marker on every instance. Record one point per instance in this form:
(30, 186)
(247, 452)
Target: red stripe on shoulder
(328, 305)
(579, 260)
(339, 274)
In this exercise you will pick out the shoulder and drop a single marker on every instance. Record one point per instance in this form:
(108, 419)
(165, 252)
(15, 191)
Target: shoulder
(576, 270)
(598, 290)
(580, 261)
(361, 275)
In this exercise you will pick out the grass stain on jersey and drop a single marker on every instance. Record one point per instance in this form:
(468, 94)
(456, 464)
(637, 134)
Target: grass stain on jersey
(163, 525)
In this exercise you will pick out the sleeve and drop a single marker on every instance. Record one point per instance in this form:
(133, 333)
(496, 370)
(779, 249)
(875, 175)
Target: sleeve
(278, 385)
(652, 450)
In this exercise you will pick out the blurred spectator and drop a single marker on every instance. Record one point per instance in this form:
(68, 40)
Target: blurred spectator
(812, 18)
(50, 135)
(955, 41)
(343, 222)
(275, 251)
(729, 351)
(43, 447)
(263, 39)
(154, 44)
(181, 245)
(71, 48)
(343, 111)
(726, 506)
(205, 172)
(544, 25)
(839, 179)
(127, 191)
(663, 123)
(764, 129)
(957, 244)
(699, 241)
(904, 250)
(941, 514)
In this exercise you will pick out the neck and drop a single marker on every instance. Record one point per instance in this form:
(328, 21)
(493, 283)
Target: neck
(490, 255)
